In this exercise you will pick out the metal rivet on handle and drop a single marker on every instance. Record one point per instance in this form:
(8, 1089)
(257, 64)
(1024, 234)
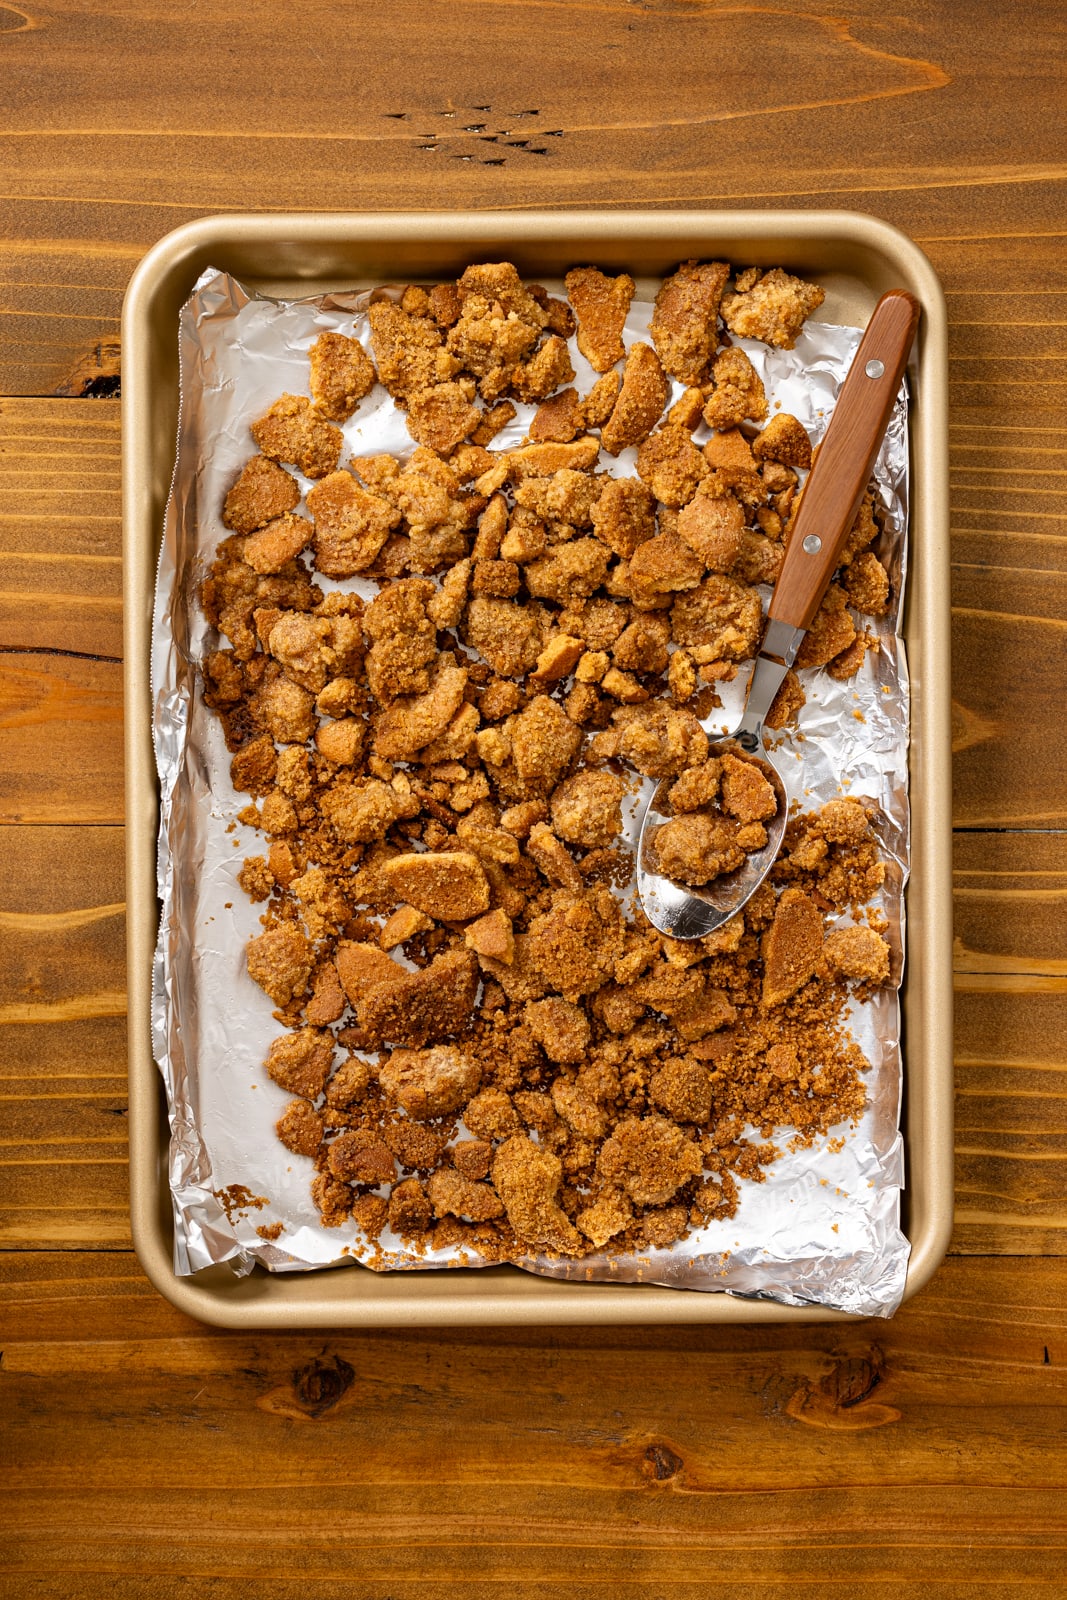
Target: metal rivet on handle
(812, 544)
(874, 369)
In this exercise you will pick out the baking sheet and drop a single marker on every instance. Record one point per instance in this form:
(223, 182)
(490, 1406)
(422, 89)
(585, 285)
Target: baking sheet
(824, 1227)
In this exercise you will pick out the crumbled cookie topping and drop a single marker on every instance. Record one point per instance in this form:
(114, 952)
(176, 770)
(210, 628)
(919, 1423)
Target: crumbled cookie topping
(488, 1045)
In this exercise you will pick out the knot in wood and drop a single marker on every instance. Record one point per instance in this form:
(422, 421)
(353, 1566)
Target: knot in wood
(322, 1382)
(660, 1463)
(853, 1378)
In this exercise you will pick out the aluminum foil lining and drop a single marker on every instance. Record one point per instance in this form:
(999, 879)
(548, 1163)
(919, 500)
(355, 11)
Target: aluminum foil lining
(824, 1228)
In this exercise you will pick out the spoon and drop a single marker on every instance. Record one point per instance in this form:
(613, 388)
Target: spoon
(840, 472)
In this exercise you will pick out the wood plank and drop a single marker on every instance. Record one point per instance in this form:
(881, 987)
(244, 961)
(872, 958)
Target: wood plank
(1011, 1042)
(591, 105)
(63, 1092)
(60, 715)
(1009, 632)
(61, 527)
(935, 1443)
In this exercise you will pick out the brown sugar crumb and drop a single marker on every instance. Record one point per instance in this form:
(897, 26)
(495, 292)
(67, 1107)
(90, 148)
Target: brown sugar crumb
(360, 811)
(650, 1158)
(787, 702)
(256, 878)
(696, 788)
(300, 1062)
(696, 848)
(858, 953)
(510, 637)
(236, 1200)
(424, 1007)
(792, 947)
(850, 660)
(721, 618)
(263, 492)
(772, 306)
(672, 466)
(686, 412)
(712, 525)
(300, 1128)
(832, 631)
(361, 1157)
(599, 403)
(442, 416)
(370, 1212)
(410, 1209)
(351, 525)
(600, 304)
(685, 322)
(453, 1195)
(738, 395)
(659, 740)
(527, 1179)
(610, 1214)
(409, 351)
(587, 809)
(270, 1231)
(404, 924)
(430, 1083)
(253, 768)
(280, 962)
(271, 548)
(558, 420)
(558, 659)
(552, 858)
(292, 431)
(662, 567)
(746, 793)
(341, 374)
(785, 441)
(560, 1027)
(327, 1001)
(866, 584)
(492, 936)
(450, 887)
(642, 398)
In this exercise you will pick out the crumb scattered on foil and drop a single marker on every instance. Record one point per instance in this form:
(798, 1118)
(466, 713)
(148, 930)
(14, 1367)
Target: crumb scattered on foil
(437, 654)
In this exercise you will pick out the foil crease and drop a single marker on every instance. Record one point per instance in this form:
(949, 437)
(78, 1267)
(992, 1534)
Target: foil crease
(824, 1228)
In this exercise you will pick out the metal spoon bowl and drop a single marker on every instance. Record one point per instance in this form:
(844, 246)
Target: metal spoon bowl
(685, 912)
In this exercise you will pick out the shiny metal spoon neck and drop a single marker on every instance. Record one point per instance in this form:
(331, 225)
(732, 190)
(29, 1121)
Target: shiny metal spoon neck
(777, 654)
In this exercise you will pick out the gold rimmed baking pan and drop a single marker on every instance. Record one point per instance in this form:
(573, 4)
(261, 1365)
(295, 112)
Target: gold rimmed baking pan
(855, 258)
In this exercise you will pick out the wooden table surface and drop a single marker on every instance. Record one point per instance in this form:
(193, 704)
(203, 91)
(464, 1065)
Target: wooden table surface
(146, 1455)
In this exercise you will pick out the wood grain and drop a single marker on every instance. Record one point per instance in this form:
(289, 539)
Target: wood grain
(869, 1460)
(61, 527)
(60, 717)
(408, 1462)
(670, 102)
(63, 1093)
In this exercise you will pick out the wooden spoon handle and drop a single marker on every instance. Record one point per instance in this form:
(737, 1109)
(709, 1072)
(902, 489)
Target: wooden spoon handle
(842, 466)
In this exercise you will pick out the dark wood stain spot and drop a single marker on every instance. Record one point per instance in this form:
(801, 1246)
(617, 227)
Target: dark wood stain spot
(320, 1384)
(853, 1378)
(96, 374)
(661, 1463)
(108, 388)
